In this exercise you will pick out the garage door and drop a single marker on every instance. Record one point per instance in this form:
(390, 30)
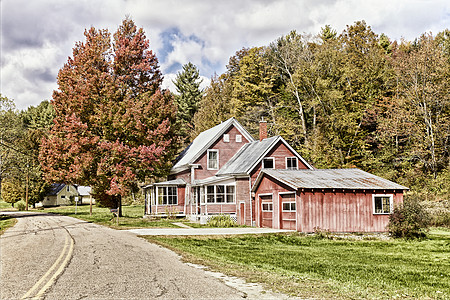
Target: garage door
(266, 210)
(288, 211)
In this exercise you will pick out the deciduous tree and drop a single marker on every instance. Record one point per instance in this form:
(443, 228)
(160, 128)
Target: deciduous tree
(114, 125)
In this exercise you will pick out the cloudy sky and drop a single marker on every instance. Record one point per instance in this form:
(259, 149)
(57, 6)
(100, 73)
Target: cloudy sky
(37, 36)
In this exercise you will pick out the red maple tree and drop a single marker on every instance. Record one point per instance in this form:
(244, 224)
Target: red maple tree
(114, 124)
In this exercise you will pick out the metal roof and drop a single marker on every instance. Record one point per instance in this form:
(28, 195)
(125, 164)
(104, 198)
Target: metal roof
(352, 179)
(210, 180)
(247, 156)
(84, 190)
(246, 159)
(204, 140)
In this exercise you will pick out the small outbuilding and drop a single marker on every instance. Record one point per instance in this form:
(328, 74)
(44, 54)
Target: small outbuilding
(338, 200)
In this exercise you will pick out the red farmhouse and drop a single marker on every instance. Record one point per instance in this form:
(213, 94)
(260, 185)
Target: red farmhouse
(266, 183)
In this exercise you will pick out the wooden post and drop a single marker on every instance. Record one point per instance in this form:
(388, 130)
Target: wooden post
(26, 188)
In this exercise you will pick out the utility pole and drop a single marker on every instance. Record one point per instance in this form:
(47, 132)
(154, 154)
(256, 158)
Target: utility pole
(26, 187)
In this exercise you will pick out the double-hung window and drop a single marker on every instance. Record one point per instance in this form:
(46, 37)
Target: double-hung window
(382, 204)
(167, 195)
(213, 159)
(291, 163)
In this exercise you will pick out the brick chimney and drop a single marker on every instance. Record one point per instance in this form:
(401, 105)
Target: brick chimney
(262, 130)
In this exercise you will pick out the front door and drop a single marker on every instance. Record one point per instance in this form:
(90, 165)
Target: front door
(242, 213)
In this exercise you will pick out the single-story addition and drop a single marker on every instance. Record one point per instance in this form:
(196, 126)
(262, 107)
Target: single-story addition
(338, 200)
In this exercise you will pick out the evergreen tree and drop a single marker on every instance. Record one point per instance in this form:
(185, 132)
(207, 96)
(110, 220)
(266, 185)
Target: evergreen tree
(187, 83)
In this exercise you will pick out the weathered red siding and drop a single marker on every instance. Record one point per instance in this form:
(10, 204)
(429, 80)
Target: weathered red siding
(226, 151)
(279, 153)
(336, 211)
(243, 196)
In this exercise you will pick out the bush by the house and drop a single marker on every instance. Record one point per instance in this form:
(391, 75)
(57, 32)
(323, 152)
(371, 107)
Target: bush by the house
(409, 220)
(221, 221)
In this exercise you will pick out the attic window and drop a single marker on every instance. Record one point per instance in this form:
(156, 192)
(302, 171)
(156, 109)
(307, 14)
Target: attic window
(238, 138)
(268, 163)
(213, 160)
(291, 163)
(226, 138)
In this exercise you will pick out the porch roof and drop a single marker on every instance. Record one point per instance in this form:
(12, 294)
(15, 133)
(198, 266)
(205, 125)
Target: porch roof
(177, 181)
(210, 180)
(351, 179)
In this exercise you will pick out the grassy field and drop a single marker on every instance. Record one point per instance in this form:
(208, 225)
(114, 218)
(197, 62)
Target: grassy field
(132, 216)
(310, 267)
(6, 222)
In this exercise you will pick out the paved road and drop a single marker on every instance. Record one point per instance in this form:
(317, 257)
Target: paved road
(57, 257)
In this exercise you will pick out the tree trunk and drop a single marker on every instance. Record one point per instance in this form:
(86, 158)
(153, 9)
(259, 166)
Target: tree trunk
(120, 205)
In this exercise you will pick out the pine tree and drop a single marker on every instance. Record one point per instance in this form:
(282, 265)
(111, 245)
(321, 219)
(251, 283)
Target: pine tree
(187, 84)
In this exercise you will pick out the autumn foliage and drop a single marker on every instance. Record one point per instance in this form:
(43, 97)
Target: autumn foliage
(114, 123)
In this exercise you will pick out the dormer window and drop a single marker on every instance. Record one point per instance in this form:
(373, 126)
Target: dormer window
(268, 163)
(226, 138)
(213, 159)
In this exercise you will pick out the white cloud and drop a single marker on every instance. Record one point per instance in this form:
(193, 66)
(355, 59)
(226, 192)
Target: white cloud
(37, 36)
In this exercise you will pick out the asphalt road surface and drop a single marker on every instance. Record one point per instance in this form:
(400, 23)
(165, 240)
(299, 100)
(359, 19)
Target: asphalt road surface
(56, 257)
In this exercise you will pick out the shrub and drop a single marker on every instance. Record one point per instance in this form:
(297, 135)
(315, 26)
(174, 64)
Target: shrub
(20, 205)
(221, 221)
(409, 220)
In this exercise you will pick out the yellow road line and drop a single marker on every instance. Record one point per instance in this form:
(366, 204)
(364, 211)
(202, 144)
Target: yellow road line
(58, 272)
(54, 266)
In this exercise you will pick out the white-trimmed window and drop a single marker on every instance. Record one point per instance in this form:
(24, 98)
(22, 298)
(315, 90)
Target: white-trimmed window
(268, 163)
(291, 163)
(238, 138)
(288, 206)
(220, 194)
(226, 138)
(267, 206)
(213, 159)
(382, 204)
(167, 195)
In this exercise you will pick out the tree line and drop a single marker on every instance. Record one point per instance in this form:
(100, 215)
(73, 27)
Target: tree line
(354, 99)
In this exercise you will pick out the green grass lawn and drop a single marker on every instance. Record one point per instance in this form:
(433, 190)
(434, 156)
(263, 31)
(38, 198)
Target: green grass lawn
(6, 222)
(309, 267)
(132, 216)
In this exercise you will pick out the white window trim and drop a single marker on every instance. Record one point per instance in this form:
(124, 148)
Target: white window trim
(224, 194)
(273, 160)
(282, 209)
(207, 159)
(391, 203)
(226, 138)
(166, 187)
(266, 202)
(286, 160)
(238, 138)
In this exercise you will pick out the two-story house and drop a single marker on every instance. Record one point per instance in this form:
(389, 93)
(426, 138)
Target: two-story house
(226, 171)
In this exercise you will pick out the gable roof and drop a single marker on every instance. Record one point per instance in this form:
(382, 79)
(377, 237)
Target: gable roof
(203, 141)
(352, 179)
(246, 159)
(55, 189)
